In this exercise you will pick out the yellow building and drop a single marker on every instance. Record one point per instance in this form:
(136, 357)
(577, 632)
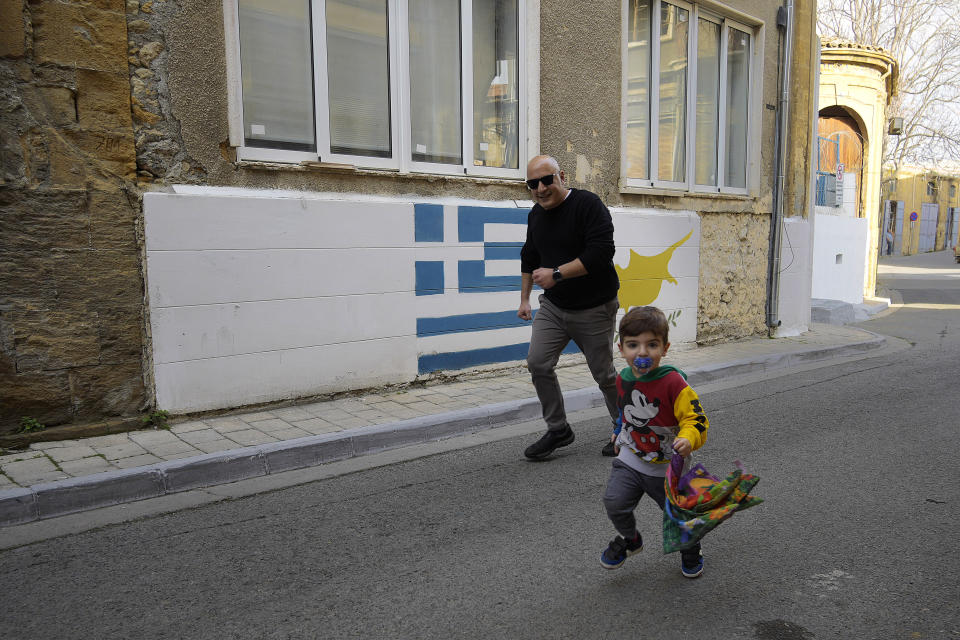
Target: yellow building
(921, 211)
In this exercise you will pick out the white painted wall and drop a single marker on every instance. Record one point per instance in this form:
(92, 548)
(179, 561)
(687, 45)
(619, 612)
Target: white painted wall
(796, 277)
(257, 296)
(839, 253)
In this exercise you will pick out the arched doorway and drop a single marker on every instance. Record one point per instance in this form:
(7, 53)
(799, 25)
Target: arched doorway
(842, 143)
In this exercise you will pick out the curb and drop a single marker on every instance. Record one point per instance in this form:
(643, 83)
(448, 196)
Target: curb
(63, 497)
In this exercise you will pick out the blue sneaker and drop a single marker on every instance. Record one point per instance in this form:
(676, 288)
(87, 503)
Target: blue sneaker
(618, 550)
(692, 566)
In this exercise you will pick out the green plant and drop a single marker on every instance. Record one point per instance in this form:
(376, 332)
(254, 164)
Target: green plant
(30, 424)
(156, 419)
(674, 316)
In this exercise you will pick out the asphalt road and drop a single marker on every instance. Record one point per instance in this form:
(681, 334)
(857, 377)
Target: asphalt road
(856, 538)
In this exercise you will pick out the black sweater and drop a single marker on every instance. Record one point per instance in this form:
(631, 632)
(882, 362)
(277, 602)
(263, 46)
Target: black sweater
(580, 227)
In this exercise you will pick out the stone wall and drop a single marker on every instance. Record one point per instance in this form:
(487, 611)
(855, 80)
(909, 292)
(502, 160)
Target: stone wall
(733, 276)
(71, 288)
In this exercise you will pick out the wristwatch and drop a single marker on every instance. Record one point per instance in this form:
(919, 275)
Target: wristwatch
(557, 276)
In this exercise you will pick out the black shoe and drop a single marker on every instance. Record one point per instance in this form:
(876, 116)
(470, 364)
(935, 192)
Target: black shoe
(691, 564)
(608, 450)
(550, 441)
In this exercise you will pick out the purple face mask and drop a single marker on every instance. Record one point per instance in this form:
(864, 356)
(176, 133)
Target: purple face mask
(643, 363)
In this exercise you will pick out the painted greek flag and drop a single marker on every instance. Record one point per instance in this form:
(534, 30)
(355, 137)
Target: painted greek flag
(467, 283)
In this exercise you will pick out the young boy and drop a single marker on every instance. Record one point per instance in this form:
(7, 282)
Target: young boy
(660, 416)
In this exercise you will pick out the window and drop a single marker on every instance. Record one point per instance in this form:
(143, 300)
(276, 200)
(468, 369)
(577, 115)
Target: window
(687, 98)
(953, 191)
(931, 188)
(415, 85)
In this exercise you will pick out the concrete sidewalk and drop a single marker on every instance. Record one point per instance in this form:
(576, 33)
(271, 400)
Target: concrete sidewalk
(51, 479)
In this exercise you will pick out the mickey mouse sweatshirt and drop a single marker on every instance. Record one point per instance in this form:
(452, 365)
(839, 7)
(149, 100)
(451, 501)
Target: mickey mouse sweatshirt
(654, 409)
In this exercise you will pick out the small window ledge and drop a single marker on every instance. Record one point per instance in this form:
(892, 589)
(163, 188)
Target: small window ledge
(680, 193)
(349, 169)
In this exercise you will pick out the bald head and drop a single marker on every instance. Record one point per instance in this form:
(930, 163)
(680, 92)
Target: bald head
(542, 165)
(547, 195)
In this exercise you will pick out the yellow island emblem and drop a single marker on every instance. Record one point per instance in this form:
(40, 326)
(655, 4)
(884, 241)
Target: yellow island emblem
(643, 277)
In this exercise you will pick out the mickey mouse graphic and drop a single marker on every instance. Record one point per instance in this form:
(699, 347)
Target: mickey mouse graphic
(636, 418)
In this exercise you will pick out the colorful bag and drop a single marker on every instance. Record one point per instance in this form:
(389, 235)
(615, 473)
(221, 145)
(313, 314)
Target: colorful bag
(697, 502)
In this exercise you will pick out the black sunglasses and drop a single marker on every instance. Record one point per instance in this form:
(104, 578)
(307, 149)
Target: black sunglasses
(547, 180)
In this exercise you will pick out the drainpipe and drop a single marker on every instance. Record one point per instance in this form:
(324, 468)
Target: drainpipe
(785, 23)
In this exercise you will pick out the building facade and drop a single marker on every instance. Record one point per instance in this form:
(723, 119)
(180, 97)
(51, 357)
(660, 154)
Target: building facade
(921, 210)
(209, 205)
(857, 82)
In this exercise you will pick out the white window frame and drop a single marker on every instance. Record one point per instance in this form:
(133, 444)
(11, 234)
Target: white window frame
(726, 21)
(401, 159)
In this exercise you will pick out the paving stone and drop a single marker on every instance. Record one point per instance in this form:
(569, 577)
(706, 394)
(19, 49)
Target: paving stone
(269, 426)
(183, 454)
(250, 437)
(424, 407)
(43, 446)
(20, 455)
(65, 454)
(188, 427)
(333, 415)
(293, 413)
(203, 435)
(255, 417)
(171, 448)
(228, 424)
(212, 446)
(33, 471)
(137, 461)
(98, 442)
(147, 439)
(118, 451)
(316, 426)
(87, 466)
(290, 434)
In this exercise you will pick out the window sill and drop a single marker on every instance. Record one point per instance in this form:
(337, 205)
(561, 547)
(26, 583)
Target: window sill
(349, 169)
(678, 193)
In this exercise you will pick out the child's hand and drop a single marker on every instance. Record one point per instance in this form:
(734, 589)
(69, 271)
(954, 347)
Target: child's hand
(682, 446)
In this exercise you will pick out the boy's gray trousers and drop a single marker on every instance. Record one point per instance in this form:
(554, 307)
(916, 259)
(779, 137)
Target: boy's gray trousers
(624, 489)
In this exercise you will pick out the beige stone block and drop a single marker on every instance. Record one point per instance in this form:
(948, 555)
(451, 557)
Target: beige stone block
(99, 278)
(43, 396)
(44, 219)
(11, 29)
(112, 221)
(66, 162)
(107, 390)
(103, 100)
(121, 334)
(80, 36)
(60, 103)
(54, 340)
(111, 152)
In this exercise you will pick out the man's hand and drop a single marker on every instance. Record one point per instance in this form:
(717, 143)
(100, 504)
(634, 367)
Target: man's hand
(524, 311)
(682, 446)
(543, 277)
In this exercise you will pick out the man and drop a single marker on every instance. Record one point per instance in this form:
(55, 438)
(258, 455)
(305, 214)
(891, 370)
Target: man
(569, 254)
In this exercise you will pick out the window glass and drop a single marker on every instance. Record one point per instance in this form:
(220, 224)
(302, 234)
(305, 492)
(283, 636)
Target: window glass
(708, 102)
(435, 120)
(358, 77)
(674, 36)
(277, 74)
(638, 89)
(738, 89)
(496, 109)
